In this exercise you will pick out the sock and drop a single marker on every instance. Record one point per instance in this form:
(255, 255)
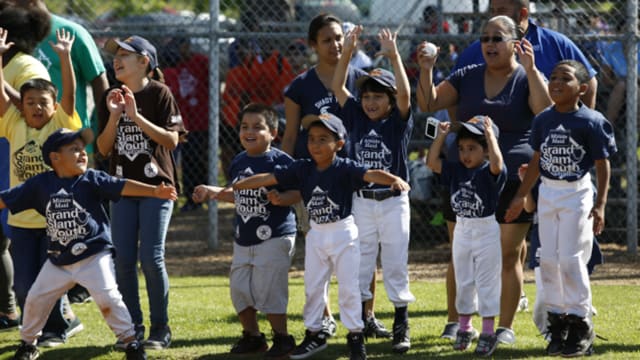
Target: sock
(465, 322)
(401, 315)
(487, 325)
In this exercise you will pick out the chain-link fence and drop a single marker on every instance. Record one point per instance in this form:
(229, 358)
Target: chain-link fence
(261, 47)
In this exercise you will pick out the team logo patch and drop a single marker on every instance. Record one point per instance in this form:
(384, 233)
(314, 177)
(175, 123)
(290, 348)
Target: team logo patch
(371, 151)
(263, 232)
(66, 219)
(130, 140)
(78, 248)
(150, 170)
(27, 161)
(560, 154)
(322, 210)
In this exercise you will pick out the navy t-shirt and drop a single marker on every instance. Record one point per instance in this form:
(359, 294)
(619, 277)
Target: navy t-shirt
(569, 143)
(474, 192)
(257, 219)
(509, 110)
(327, 194)
(77, 223)
(313, 97)
(378, 144)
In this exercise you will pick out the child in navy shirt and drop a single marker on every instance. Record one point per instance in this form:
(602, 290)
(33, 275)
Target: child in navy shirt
(264, 235)
(379, 124)
(568, 139)
(475, 185)
(327, 183)
(80, 250)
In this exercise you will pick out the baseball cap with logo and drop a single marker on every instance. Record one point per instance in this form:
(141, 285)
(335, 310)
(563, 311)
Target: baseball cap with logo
(381, 76)
(476, 126)
(61, 137)
(136, 44)
(333, 123)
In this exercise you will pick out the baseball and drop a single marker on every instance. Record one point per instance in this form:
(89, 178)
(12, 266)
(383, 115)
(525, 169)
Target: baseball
(430, 50)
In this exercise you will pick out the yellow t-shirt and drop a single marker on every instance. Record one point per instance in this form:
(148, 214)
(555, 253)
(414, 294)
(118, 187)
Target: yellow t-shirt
(23, 67)
(25, 154)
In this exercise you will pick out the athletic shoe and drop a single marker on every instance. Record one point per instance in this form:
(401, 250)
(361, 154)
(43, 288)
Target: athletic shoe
(487, 344)
(8, 324)
(78, 295)
(75, 326)
(50, 339)
(139, 329)
(557, 332)
(375, 328)
(523, 304)
(580, 337)
(329, 326)
(250, 344)
(506, 336)
(26, 352)
(159, 337)
(135, 351)
(355, 342)
(464, 339)
(282, 346)
(312, 343)
(450, 331)
(401, 342)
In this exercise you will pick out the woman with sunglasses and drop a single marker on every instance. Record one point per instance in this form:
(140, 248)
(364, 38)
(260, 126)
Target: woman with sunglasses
(510, 93)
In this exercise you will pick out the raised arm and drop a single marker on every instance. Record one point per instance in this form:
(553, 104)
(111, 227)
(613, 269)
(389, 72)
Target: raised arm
(495, 156)
(603, 173)
(431, 98)
(292, 126)
(160, 135)
(530, 178)
(5, 101)
(255, 181)
(434, 162)
(539, 98)
(63, 49)
(137, 188)
(389, 49)
(339, 81)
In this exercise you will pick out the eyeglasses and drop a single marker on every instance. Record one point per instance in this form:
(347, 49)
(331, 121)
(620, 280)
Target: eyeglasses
(494, 39)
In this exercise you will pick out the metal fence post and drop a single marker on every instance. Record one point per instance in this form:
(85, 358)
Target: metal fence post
(631, 128)
(214, 112)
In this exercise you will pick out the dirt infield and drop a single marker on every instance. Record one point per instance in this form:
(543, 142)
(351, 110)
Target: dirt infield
(189, 255)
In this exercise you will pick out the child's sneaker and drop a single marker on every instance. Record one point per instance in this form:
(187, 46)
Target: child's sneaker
(557, 333)
(329, 326)
(26, 352)
(311, 344)
(250, 344)
(487, 344)
(450, 331)
(159, 337)
(282, 346)
(139, 329)
(8, 324)
(401, 342)
(580, 337)
(135, 351)
(51, 339)
(464, 339)
(375, 328)
(506, 336)
(523, 304)
(355, 342)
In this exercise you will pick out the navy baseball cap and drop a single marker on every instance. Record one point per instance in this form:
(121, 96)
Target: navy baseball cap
(476, 126)
(381, 76)
(136, 44)
(333, 123)
(61, 137)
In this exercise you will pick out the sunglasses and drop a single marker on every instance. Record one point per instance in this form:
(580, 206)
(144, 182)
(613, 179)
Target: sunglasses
(494, 39)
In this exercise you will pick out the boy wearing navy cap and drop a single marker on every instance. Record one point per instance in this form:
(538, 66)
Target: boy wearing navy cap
(475, 184)
(379, 123)
(79, 249)
(327, 183)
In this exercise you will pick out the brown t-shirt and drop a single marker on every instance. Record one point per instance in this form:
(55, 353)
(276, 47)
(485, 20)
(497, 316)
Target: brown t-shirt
(134, 155)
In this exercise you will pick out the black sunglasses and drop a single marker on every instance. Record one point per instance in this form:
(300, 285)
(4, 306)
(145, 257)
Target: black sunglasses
(494, 39)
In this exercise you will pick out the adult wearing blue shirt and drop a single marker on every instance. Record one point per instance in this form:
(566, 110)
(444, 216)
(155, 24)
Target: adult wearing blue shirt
(549, 47)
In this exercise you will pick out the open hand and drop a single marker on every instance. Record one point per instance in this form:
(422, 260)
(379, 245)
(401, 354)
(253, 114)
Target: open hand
(351, 38)
(64, 43)
(4, 45)
(524, 49)
(387, 43)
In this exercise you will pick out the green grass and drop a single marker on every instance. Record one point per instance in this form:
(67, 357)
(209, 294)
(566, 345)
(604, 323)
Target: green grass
(204, 325)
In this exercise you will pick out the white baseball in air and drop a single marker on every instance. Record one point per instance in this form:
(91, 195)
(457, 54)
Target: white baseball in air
(430, 50)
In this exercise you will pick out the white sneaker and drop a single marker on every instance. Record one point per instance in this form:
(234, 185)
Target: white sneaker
(523, 304)
(506, 336)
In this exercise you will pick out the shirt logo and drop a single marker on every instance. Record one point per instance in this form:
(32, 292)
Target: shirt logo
(373, 152)
(322, 210)
(465, 202)
(251, 203)
(130, 140)
(560, 155)
(66, 219)
(27, 161)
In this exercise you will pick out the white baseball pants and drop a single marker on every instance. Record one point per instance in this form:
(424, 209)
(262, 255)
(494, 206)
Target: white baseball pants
(566, 238)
